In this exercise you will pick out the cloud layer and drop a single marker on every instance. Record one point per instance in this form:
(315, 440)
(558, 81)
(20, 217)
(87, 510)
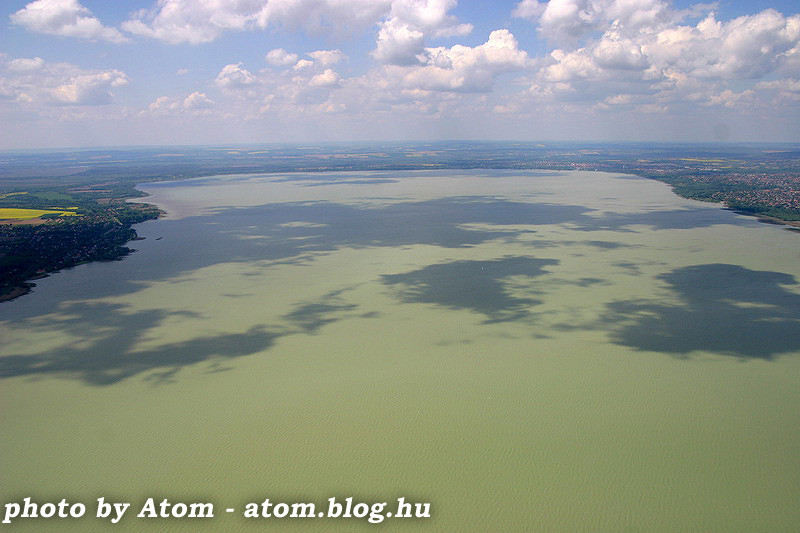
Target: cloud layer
(595, 59)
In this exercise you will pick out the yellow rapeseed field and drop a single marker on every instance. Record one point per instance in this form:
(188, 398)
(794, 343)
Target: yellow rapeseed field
(13, 213)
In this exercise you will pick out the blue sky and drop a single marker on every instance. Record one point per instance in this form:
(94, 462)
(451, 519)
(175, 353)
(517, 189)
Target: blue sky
(145, 72)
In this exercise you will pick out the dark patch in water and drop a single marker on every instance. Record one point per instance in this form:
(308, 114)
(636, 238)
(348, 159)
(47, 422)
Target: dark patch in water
(588, 282)
(350, 182)
(473, 285)
(610, 245)
(112, 357)
(688, 218)
(311, 317)
(727, 309)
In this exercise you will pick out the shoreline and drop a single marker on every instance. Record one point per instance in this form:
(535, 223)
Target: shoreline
(23, 287)
(766, 219)
(16, 292)
(93, 242)
(794, 225)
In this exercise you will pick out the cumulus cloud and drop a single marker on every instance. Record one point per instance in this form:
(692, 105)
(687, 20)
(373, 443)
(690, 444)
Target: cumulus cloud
(463, 68)
(327, 58)
(567, 22)
(66, 18)
(233, 76)
(197, 100)
(446, 79)
(313, 72)
(401, 38)
(730, 98)
(163, 104)
(745, 47)
(784, 90)
(652, 108)
(280, 58)
(328, 78)
(622, 34)
(399, 44)
(782, 85)
(429, 15)
(195, 103)
(32, 80)
(89, 89)
(318, 17)
(647, 51)
(300, 86)
(202, 21)
(529, 9)
(23, 64)
(404, 26)
(622, 55)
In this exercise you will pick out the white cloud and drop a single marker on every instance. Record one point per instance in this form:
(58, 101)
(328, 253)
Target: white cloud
(452, 80)
(303, 64)
(401, 38)
(781, 85)
(197, 100)
(652, 108)
(202, 21)
(791, 62)
(304, 87)
(403, 24)
(320, 59)
(322, 17)
(89, 89)
(631, 58)
(615, 52)
(648, 54)
(784, 90)
(571, 66)
(729, 98)
(163, 104)
(634, 35)
(463, 68)
(529, 9)
(234, 77)
(280, 58)
(565, 21)
(327, 58)
(197, 103)
(66, 18)
(191, 21)
(568, 22)
(429, 15)
(746, 47)
(32, 80)
(25, 64)
(328, 78)
(619, 99)
(399, 44)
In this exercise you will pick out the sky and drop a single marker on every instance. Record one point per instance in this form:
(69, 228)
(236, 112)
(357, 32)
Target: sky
(79, 73)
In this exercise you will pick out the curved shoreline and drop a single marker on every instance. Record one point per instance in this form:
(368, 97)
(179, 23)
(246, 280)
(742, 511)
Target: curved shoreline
(114, 248)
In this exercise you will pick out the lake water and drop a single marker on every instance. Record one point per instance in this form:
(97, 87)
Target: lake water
(524, 350)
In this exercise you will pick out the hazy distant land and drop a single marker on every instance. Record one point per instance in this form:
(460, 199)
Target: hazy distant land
(62, 208)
